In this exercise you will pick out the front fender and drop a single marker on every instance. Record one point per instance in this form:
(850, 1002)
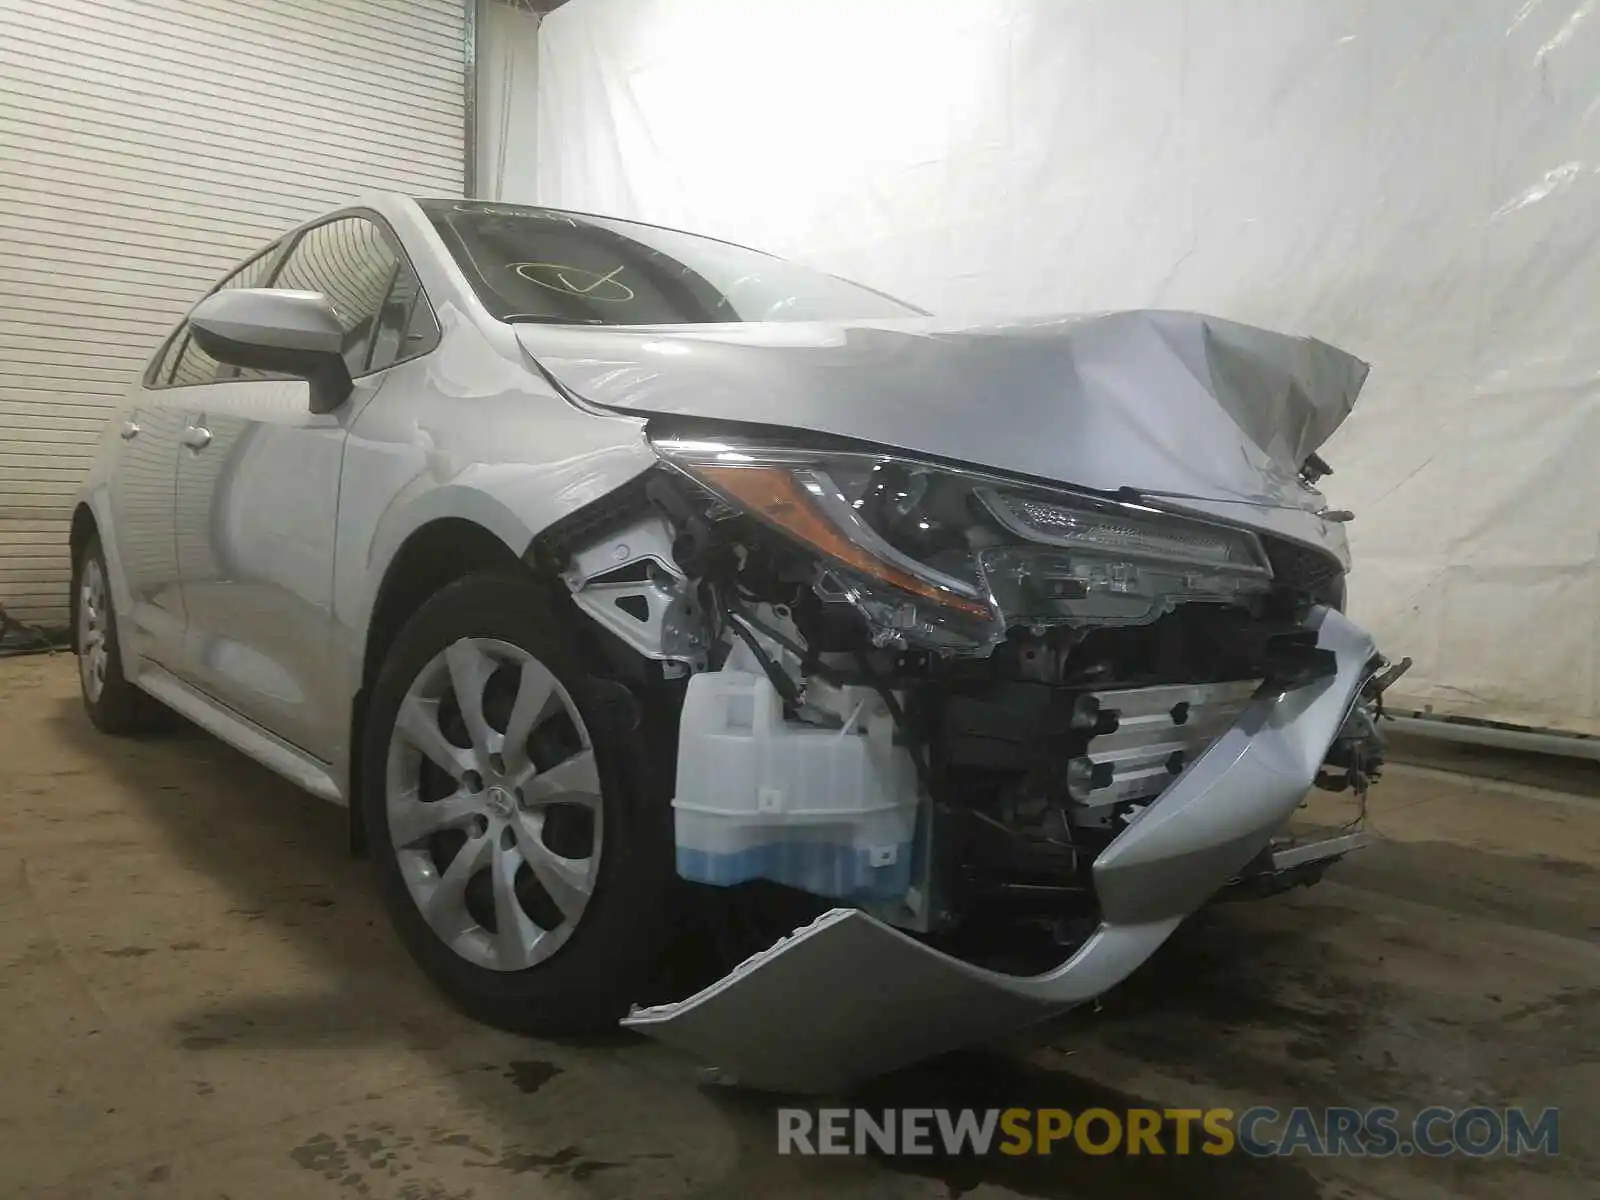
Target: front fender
(510, 462)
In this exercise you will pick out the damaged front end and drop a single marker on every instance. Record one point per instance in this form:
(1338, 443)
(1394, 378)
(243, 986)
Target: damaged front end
(953, 705)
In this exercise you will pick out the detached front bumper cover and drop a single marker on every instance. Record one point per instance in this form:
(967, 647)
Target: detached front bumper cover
(848, 997)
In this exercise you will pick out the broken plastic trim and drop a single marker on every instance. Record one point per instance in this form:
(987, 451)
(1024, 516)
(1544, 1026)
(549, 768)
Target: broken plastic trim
(848, 997)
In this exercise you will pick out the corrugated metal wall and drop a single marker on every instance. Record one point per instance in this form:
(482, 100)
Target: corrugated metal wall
(145, 147)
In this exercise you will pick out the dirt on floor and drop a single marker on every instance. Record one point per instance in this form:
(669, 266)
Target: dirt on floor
(200, 998)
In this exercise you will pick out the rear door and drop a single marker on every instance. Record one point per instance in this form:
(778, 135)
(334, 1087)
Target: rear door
(258, 498)
(141, 488)
(143, 485)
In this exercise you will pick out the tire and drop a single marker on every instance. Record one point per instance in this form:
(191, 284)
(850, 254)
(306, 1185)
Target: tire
(114, 705)
(583, 957)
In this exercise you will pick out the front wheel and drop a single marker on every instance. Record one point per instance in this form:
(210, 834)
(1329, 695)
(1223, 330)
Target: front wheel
(522, 845)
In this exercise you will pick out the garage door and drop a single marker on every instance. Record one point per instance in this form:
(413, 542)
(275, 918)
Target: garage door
(148, 144)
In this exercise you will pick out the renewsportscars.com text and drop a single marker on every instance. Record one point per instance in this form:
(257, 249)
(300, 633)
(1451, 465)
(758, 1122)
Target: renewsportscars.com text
(1260, 1131)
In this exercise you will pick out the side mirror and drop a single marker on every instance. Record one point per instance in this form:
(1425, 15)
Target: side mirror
(268, 329)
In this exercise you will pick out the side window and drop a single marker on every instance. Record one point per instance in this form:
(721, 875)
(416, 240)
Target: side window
(194, 365)
(406, 326)
(160, 369)
(350, 262)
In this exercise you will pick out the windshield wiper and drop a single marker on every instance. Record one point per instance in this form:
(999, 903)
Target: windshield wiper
(550, 319)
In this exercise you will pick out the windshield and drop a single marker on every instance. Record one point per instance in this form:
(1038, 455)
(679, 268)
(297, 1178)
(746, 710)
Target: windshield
(541, 264)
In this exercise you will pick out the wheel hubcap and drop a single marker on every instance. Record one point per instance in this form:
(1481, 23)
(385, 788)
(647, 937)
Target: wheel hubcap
(493, 800)
(500, 802)
(93, 614)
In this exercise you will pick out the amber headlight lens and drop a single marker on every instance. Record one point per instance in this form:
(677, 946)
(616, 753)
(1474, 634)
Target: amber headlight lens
(808, 506)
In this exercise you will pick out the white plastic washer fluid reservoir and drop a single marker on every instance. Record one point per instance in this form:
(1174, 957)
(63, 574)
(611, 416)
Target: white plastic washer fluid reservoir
(831, 811)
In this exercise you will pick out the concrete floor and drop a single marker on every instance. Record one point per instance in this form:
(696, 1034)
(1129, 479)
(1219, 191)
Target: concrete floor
(200, 998)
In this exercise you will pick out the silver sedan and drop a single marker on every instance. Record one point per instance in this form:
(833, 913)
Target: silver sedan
(635, 590)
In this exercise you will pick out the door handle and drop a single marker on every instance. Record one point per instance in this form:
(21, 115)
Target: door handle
(197, 437)
(130, 430)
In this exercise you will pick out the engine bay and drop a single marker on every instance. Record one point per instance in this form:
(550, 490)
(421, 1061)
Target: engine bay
(938, 701)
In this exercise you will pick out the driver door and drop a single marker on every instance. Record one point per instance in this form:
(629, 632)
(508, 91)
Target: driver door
(258, 499)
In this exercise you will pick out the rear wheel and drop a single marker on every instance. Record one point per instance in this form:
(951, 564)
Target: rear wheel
(522, 846)
(113, 704)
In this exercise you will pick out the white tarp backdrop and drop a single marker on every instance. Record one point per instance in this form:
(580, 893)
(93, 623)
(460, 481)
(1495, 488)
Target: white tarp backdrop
(1416, 182)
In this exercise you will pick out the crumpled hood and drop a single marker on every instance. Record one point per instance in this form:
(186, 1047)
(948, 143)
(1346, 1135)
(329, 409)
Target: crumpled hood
(1158, 401)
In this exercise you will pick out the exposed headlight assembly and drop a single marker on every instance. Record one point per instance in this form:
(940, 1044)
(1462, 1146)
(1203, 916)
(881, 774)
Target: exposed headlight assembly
(945, 558)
